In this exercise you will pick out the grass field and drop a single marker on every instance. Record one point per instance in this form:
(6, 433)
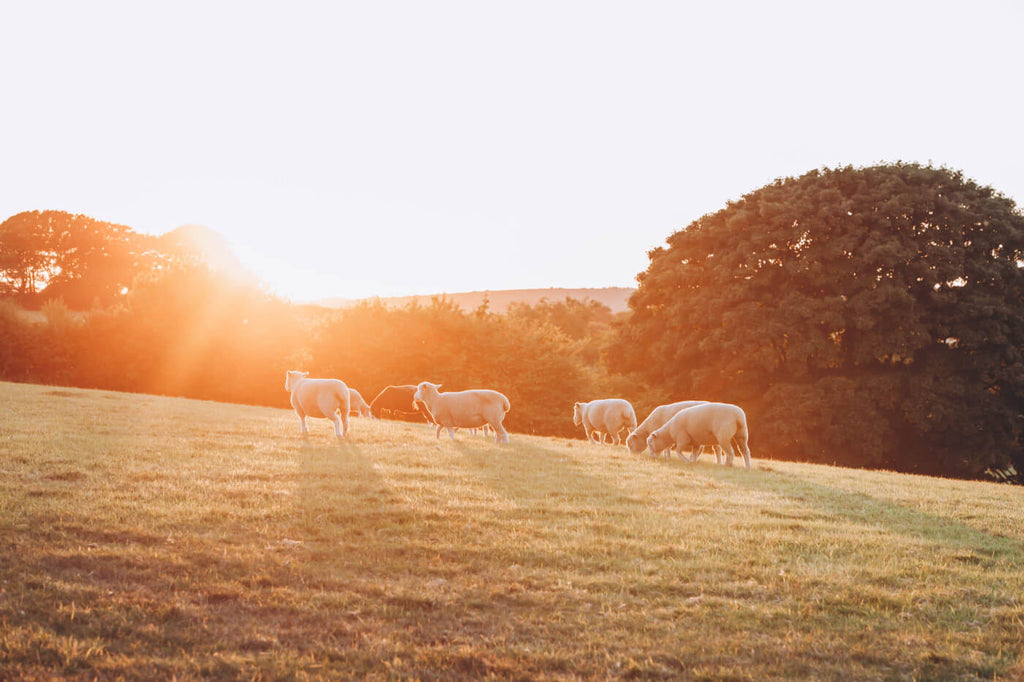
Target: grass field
(150, 538)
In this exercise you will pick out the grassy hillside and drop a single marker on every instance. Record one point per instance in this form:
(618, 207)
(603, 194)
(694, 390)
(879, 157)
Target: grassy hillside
(151, 537)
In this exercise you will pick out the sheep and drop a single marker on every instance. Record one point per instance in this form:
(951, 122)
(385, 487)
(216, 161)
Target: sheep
(319, 398)
(607, 416)
(465, 409)
(637, 440)
(707, 424)
(399, 399)
(357, 406)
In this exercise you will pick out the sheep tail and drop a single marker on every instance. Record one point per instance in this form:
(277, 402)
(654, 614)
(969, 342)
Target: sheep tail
(741, 436)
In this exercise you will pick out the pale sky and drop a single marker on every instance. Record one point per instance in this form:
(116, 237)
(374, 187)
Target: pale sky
(388, 148)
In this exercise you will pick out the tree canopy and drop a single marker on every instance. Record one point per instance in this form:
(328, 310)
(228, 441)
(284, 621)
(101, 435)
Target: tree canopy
(863, 316)
(79, 259)
(532, 362)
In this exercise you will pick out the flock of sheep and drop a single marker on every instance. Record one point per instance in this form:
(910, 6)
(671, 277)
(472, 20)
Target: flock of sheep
(687, 426)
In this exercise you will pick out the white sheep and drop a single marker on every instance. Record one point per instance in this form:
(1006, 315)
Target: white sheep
(607, 416)
(659, 416)
(326, 398)
(465, 409)
(707, 424)
(636, 441)
(356, 404)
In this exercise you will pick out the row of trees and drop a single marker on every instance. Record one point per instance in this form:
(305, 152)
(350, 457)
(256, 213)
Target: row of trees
(867, 317)
(194, 333)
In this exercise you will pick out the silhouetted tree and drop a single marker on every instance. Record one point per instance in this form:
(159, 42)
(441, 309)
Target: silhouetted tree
(26, 258)
(870, 317)
(46, 255)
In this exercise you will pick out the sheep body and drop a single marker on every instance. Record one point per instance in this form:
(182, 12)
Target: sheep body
(636, 441)
(606, 416)
(324, 398)
(707, 424)
(465, 409)
(356, 404)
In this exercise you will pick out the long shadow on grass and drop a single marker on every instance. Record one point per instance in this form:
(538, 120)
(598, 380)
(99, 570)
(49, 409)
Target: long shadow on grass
(543, 476)
(872, 511)
(340, 494)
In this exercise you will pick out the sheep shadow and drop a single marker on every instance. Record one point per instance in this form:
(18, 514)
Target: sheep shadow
(544, 476)
(864, 509)
(338, 486)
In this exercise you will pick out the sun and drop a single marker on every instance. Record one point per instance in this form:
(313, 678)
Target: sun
(301, 284)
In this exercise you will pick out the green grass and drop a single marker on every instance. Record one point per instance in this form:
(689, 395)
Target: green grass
(146, 537)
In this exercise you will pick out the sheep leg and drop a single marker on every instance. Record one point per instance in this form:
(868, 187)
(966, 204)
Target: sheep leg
(727, 446)
(302, 421)
(451, 432)
(500, 434)
(718, 453)
(741, 445)
(337, 425)
(437, 432)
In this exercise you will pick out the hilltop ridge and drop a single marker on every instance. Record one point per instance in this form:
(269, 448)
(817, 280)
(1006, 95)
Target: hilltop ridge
(615, 298)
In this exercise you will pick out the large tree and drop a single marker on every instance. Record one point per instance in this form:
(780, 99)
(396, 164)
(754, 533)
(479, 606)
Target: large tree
(863, 316)
(55, 254)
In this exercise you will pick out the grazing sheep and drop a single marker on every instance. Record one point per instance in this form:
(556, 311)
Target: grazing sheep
(465, 409)
(659, 416)
(399, 399)
(608, 416)
(356, 404)
(319, 398)
(706, 424)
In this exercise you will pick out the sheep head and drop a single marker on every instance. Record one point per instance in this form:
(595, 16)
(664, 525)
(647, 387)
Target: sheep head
(292, 377)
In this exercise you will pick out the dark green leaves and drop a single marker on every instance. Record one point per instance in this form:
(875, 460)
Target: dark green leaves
(867, 316)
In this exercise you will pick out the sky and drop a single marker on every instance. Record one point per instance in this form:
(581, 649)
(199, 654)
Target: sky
(381, 148)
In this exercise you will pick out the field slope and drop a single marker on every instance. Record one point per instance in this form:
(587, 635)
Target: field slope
(147, 537)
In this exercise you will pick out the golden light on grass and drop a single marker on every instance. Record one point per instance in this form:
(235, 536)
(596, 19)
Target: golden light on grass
(157, 537)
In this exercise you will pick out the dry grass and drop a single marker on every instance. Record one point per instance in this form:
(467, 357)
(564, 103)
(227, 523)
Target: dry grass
(145, 537)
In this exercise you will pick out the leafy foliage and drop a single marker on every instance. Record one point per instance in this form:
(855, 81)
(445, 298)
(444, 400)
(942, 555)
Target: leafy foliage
(533, 363)
(871, 317)
(46, 255)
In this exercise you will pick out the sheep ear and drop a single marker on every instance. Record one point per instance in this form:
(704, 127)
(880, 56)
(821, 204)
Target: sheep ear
(439, 386)
(305, 374)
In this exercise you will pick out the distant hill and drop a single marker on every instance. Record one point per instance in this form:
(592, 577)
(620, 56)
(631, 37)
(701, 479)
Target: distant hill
(614, 297)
